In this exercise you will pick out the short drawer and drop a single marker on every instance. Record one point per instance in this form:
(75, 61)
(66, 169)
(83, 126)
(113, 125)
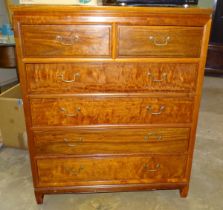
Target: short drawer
(165, 41)
(111, 141)
(111, 77)
(110, 170)
(109, 110)
(66, 40)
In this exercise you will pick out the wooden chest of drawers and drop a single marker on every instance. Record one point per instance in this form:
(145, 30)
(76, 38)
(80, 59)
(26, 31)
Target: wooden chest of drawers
(111, 95)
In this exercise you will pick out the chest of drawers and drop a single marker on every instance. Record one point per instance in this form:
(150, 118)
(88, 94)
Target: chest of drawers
(111, 95)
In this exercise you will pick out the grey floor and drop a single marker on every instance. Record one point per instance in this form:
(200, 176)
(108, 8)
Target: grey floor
(206, 188)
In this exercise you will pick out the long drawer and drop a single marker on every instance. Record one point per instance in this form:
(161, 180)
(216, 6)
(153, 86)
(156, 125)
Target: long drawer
(159, 41)
(110, 170)
(111, 141)
(110, 110)
(66, 40)
(111, 77)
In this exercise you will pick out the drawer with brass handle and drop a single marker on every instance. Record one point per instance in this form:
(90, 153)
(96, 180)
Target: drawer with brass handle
(66, 40)
(111, 170)
(75, 76)
(95, 110)
(153, 168)
(111, 77)
(159, 112)
(71, 143)
(153, 79)
(103, 148)
(159, 41)
(111, 141)
(67, 114)
(122, 135)
(111, 95)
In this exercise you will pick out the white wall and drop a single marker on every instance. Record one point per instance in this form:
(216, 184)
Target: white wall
(3, 13)
(206, 3)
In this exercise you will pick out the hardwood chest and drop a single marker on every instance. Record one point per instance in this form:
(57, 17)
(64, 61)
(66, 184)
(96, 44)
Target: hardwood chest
(111, 95)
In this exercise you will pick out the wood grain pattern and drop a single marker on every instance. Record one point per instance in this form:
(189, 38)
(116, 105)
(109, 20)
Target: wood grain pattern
(66, 40)
(205, 42)
(112, 94)
(67, 147)
(108, 10)
(110, 170)
(112, 141)
(165, 41)
(99, 110)
(111, 188)
(131, 15)
(111, 77)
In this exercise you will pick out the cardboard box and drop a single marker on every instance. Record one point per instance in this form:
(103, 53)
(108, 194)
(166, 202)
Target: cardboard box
(12, 120)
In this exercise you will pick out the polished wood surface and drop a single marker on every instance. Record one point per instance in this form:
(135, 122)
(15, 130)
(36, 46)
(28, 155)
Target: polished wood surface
(106, 135)
(66, 40)
(113, 107)
(67, 147)
(110, 77)
(99, 110)
(157, 41)
(112, 141)
(110, 170)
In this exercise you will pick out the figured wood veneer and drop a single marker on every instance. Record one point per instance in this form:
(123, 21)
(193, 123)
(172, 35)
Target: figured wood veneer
(108, 110)
(111, 95)
(111, 77)
(110, 170)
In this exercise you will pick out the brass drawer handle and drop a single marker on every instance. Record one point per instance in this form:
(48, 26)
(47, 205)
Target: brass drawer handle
(148, 169)
(65, 112)
(147, 137)
(67, 141)
(159, 44)
(67, 41)
(163, 76)
(150, 110)
(69, 81)
(74, 172)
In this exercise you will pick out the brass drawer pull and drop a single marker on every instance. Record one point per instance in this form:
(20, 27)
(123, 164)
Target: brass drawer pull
(163, 76)
(63, 110)
(159, 44)
(68, 142)
(148, 169)
(69, 81)
(74, 172)
(147, 137)
(67, 41)
(150, 110)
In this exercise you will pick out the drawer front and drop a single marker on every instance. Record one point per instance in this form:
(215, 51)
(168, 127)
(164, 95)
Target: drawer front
(66, 40)
(112, 141)
(110, 110)
(110, 77)
(110, 170)
(160, 41)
